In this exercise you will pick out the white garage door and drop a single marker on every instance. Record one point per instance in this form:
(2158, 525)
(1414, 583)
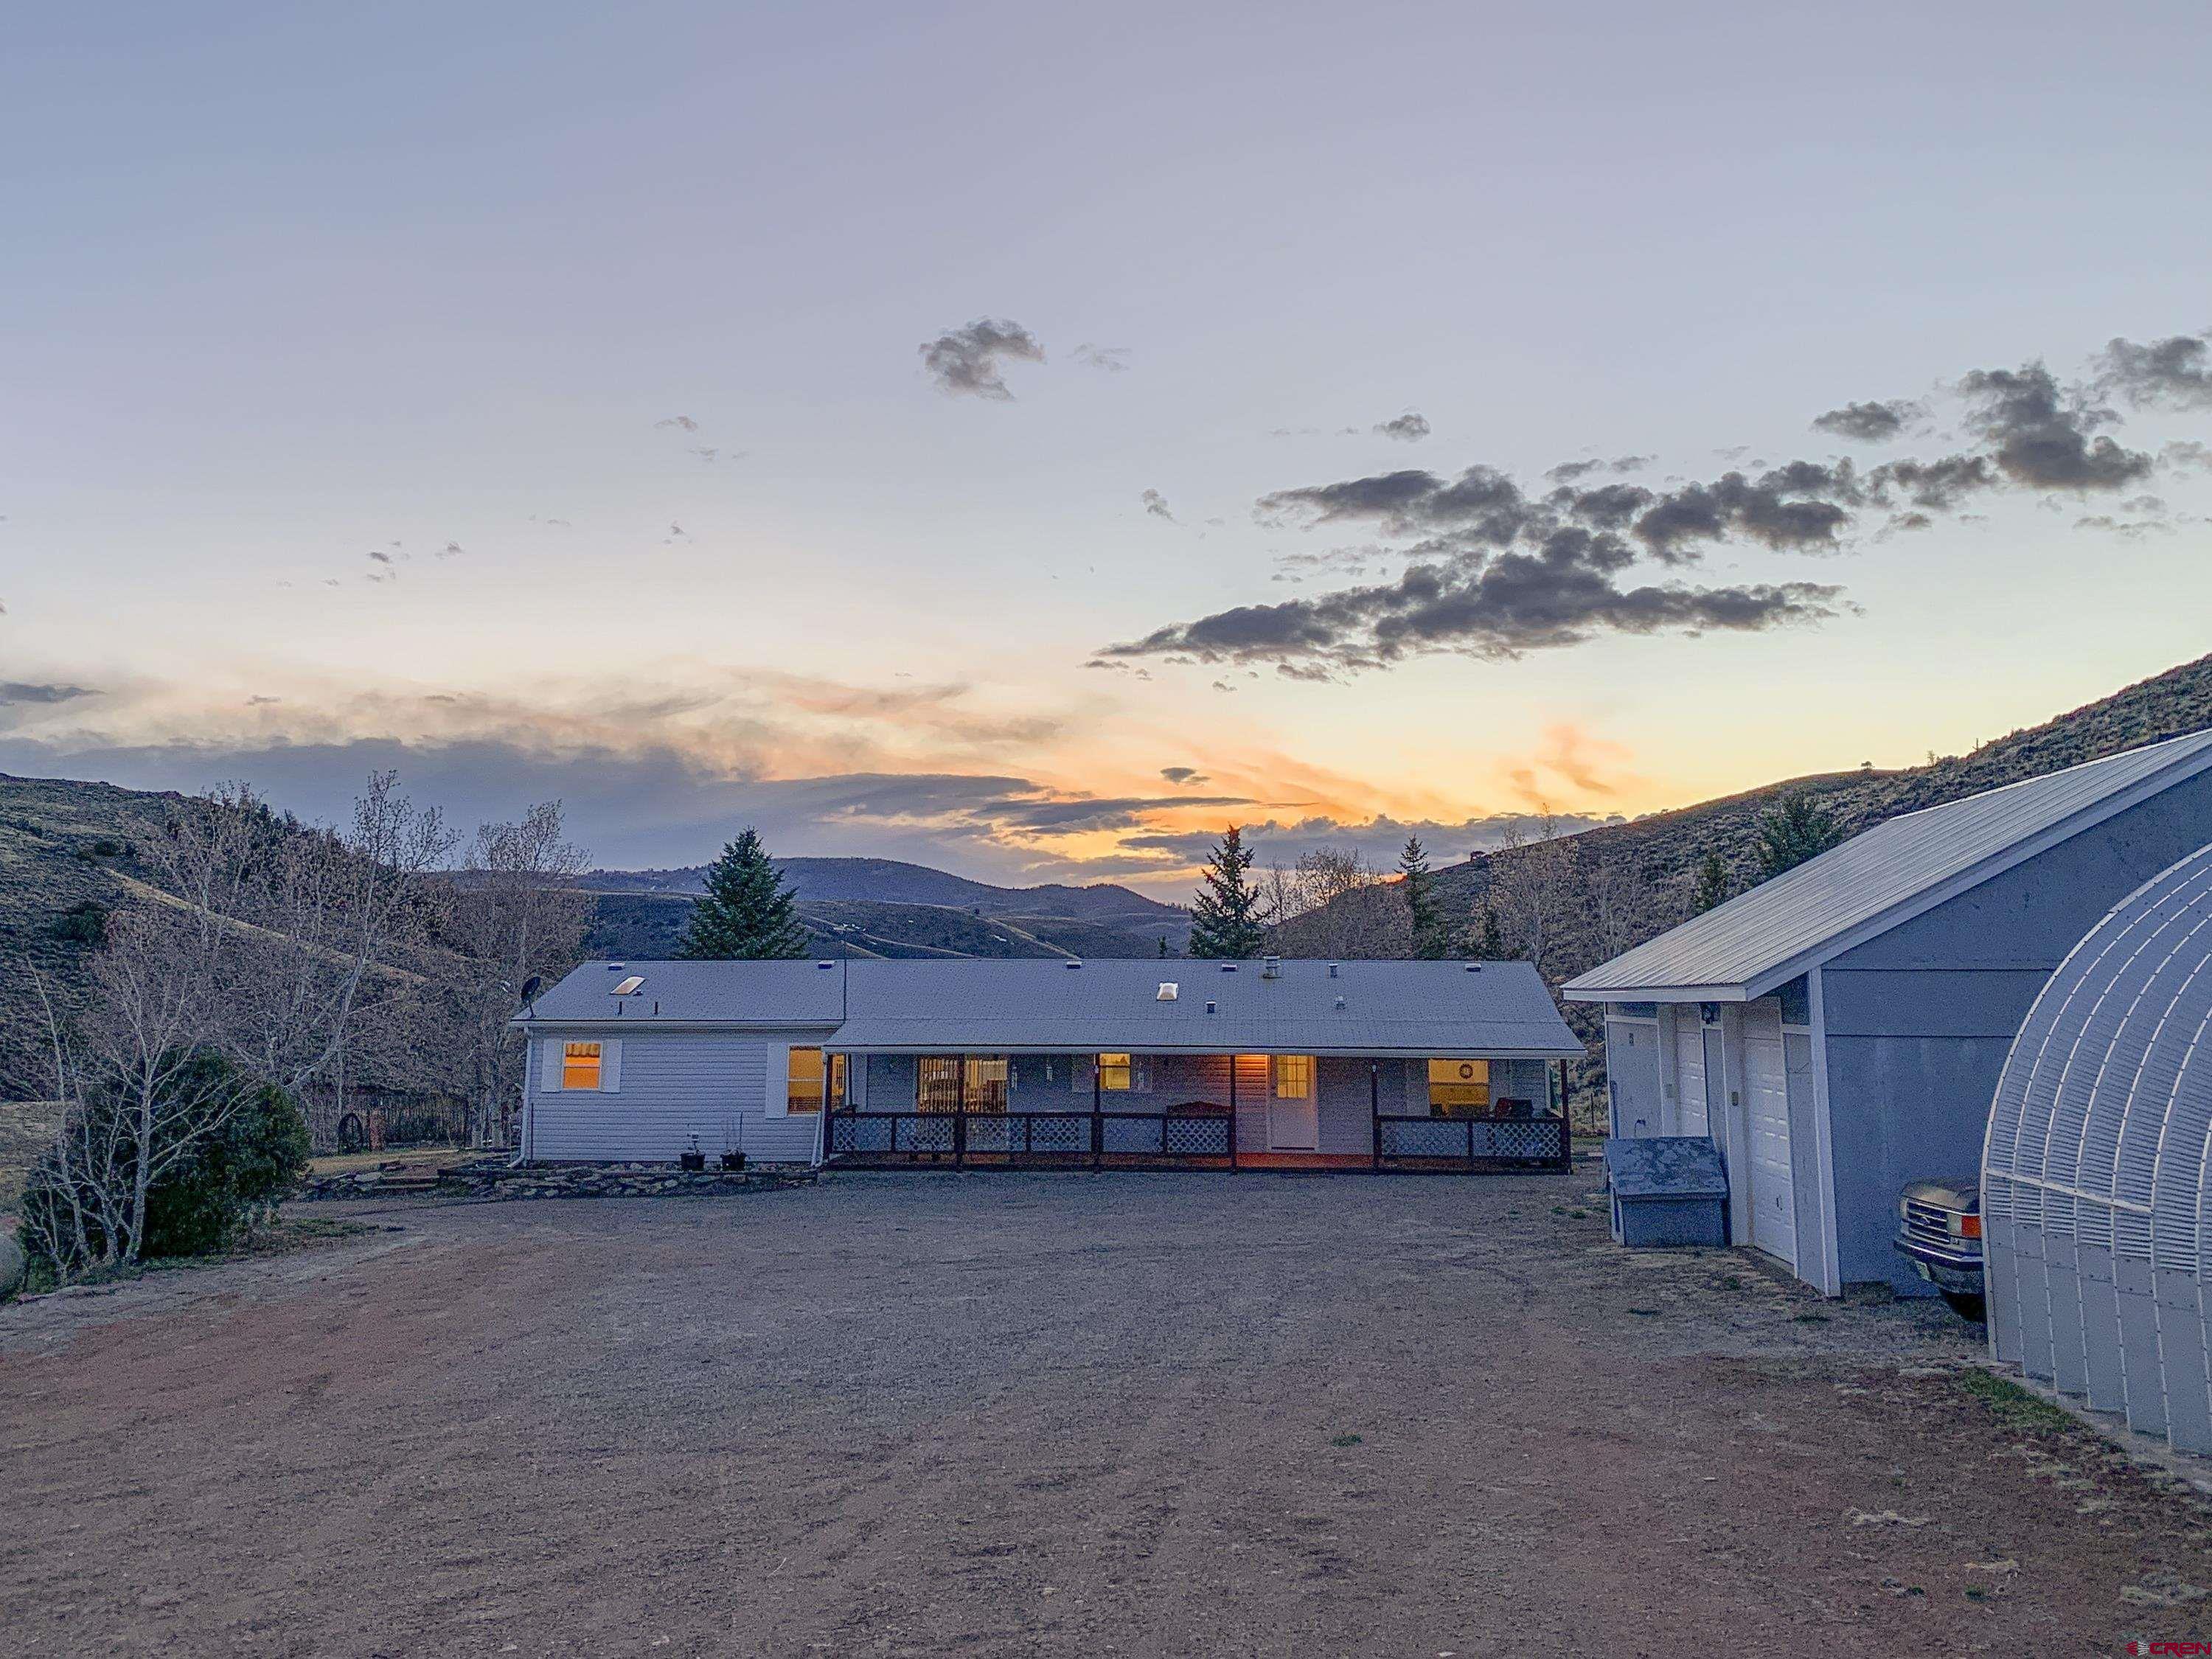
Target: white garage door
(1766, 1086)
(1689, 1073)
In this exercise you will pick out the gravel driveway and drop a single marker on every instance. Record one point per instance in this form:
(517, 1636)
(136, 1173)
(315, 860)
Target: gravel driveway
(1003, 1413)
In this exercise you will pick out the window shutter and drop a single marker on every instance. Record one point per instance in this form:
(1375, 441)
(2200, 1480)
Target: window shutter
(778, 1103)
(610, 1067)
(548, 1071)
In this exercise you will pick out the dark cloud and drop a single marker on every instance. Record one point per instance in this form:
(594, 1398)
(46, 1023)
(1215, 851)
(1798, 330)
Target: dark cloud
(1569, 472)
(1937, 485)
(1113, 359)
(1496, 607)
(1182, 774)
(2175, 372)
(377, 556)
(1494, 571)
(1409, 429)
(1157, 505)
(966, 362)
(1870, 423)
(1795, 508)
(17, 693)
(2041, 434)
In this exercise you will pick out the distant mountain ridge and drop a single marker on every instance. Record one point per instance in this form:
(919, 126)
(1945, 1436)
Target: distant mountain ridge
(887, 907)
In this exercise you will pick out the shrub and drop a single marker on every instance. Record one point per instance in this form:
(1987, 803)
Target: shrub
(84, 923)
(232, 1181)
(229, 1181)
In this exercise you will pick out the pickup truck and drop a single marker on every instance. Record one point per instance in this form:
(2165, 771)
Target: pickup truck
(1940, 1233)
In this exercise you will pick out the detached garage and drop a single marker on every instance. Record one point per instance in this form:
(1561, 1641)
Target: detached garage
(1839, 1031)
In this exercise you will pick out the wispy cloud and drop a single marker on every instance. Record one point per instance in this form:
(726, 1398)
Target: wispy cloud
(1113, 360)
(1409, 429)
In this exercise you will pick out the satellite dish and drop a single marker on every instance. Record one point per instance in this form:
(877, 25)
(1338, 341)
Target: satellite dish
(530, 990)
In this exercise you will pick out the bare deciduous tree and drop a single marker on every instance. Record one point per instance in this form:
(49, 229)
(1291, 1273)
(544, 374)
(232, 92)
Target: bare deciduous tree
(260, 946)
(1533, 882)
(1342, 906)
(514, 912)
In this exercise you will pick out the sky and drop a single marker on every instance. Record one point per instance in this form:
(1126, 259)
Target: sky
(1026, 440)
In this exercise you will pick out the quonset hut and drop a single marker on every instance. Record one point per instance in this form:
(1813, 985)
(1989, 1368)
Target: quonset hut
(2097, 1208)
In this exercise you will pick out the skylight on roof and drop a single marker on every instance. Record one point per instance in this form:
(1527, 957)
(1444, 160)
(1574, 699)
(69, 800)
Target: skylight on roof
(629, 987)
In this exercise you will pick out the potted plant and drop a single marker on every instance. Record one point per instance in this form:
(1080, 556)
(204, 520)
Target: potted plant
(734, 1129)
(694, 1159)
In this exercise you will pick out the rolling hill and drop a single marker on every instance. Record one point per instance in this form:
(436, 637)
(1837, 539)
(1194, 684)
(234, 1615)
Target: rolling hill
(884, 907)
(1649, 866)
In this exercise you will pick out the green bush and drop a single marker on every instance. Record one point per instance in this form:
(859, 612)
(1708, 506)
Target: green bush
(229, 1181)
(84, 923)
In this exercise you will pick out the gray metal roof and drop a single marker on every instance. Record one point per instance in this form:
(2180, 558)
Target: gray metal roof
(766, 993)
(1002, 1006)
(1873, 882)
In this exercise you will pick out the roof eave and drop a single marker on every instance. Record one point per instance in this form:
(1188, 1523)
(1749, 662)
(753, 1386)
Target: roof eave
(1657, 993)
(1771, 978)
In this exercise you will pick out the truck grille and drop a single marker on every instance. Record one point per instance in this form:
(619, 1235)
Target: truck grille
(1929, 1223)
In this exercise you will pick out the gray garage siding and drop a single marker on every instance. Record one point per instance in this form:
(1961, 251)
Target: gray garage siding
(1920, 1018)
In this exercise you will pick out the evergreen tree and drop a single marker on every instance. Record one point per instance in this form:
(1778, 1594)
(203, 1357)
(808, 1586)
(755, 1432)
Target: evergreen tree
(747, 915)
(1490, 941)
(1223, 918)
(1793, 831)
(1163, 945)
(1712, 884)
(1430, 937)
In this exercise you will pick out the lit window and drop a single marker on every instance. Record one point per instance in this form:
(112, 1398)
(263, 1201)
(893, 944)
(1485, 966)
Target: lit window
(803, 1083)
(1458, 1088)
(956, 1083)
(1116, 1073)
(579, 1065)
(1294, 1077)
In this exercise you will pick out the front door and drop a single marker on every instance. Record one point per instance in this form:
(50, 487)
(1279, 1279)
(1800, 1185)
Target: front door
(1293, 1113)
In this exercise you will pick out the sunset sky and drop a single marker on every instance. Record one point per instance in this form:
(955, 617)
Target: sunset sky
(1025, 439)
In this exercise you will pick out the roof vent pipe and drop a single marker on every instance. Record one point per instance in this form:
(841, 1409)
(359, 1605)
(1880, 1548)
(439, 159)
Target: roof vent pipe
(1271, 968)
(1072, 962)
(1209, 1007)
(1332, 970)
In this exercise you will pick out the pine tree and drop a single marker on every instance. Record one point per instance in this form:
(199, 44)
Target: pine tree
(1793, 831)
(1430, 940)
(1490, 941)
(1223, 920)
(747, 915)
(1163, 945)
(1712, 884)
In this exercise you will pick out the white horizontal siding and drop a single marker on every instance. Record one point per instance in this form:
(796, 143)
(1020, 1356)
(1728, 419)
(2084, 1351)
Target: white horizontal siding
(676, 1085)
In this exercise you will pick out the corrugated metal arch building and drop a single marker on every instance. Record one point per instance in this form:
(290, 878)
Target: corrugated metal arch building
(2097, 1208)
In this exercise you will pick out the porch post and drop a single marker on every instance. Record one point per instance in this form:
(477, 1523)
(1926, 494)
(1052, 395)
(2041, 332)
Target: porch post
(1374, 1107)
(1097, 1123)
(1566, 1122)
(1232, 1112)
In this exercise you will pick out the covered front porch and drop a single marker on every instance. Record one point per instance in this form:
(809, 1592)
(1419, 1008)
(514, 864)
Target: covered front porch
(1278, 1111)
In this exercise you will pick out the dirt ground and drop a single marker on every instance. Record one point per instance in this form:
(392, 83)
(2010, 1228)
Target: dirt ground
(1012, 1414)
